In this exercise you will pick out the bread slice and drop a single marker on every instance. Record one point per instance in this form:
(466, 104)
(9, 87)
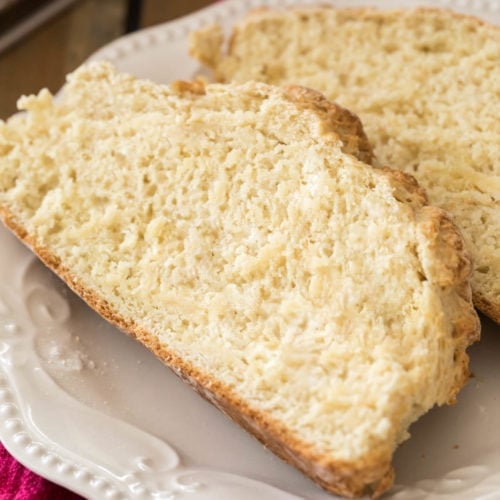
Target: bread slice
(426, 85)
(317, 301)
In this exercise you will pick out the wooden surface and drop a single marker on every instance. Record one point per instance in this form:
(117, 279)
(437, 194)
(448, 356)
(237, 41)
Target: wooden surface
(45, 56)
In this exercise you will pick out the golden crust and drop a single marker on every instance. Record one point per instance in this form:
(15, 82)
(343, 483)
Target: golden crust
(338, 120)
(451, 267)
(486, 306)
(453, 273)
(196, 87)
(341, 121)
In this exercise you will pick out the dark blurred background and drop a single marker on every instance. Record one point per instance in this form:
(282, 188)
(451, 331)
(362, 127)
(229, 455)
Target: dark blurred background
(43, 40)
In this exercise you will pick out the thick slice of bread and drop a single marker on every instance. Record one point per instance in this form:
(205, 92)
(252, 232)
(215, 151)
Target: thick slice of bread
(426, 85)
(319, 302)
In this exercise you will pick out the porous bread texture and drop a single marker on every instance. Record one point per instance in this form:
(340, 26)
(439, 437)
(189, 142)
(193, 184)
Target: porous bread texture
(317, 301)
(426, 85)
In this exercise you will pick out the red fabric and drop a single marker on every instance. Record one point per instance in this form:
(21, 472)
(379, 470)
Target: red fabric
(19, 483)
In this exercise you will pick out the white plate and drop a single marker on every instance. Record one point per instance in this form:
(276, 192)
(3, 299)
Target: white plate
(89, 408)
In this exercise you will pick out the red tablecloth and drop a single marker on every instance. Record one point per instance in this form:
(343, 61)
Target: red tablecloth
(19, 483)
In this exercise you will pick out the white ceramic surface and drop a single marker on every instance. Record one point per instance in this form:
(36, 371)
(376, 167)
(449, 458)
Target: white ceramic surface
(89, 408)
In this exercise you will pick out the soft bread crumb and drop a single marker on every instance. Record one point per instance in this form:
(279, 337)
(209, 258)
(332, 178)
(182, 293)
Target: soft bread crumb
(426, 85)
(316, 300)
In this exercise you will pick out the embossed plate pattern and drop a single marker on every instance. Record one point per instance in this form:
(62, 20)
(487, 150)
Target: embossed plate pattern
(89, 408)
